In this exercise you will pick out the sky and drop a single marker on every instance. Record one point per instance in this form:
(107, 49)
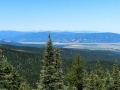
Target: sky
(63, 15)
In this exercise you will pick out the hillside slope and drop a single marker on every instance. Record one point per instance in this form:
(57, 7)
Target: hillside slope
(71, 53)
(27, 60)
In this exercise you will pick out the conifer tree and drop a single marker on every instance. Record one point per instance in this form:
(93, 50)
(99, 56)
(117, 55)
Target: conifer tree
(98, 70)
(97, 80)
(24, 85)
(51, 69)
(92, 82)
(116, 77)
(76, 73)
(108, 80)
(59, 77)
(85, 81)
(9, 77)
(100, 76)
(2, 74)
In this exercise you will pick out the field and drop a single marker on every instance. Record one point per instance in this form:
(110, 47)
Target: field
(96, 46)
(91, 46)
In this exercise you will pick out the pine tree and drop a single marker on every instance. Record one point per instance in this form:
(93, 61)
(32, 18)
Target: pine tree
(51, 69)
(97, 81)
(24, 85)
(9, 77)
(99, 76)
(92, 81)
(2, 74)
(76, 73)
(116, 77)
(59, 77)
(108, 80)
(98, 70)
(85, 81)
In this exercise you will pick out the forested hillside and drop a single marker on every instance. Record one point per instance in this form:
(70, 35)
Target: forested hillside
(87, 55)
(27, 60)
(28, 64)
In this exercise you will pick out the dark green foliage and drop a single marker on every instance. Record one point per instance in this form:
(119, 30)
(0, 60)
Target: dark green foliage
(76, 73)
(90, 65)
(87, 55)
(98, 69)
(47, 81)
(108, 80)
(98, 79)
(92, 82)
(85, 80)
(59, 77)
(116, 77)
(9, 77)
(29, 64)
(26, 63)
(51, 73)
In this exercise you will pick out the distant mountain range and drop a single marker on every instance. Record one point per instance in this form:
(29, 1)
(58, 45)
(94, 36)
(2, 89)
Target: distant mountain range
(59, 37)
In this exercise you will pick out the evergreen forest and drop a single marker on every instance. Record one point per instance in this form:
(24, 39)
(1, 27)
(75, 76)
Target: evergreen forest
(53, 68)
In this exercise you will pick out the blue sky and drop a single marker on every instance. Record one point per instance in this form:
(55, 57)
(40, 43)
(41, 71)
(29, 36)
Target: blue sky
(93, 15)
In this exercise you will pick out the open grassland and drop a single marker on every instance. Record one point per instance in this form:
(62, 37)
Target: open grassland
(96, 46)
(90, 46)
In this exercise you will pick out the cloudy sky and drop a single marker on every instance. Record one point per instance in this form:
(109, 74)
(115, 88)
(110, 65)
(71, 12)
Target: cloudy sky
(71, 15)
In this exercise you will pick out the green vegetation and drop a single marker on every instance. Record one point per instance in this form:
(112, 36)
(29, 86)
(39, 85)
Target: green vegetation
(50, 77)
(82, 72)
(9, 77)
(98, 79)
(76, 73)
(26, 63)
(86, 54)
(29, 64)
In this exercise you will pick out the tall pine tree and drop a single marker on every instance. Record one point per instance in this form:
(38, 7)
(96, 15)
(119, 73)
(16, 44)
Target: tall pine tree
(116, 76)
(97, 78)
(108, 81)
(76, 73)
(49, 77)
(59, 77)
(9, 77)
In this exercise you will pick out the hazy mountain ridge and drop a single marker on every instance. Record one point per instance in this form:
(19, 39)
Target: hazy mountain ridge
(61, 37)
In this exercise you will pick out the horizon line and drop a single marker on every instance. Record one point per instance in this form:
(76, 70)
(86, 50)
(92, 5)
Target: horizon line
(75, 31)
